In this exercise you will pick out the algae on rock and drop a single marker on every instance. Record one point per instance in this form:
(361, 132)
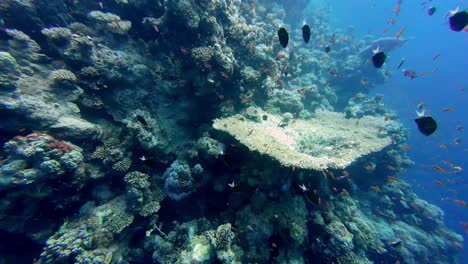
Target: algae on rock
(327, 141)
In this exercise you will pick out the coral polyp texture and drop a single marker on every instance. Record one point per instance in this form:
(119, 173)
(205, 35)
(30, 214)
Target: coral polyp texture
(327, 141)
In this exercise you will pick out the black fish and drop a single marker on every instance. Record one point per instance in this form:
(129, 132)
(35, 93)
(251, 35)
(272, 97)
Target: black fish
(431, 10)
(426, 124)
(327, 49)
(378, 59)
(395, 243)
(283, 37)
(459, 21)
(306, 33)
(401, 63)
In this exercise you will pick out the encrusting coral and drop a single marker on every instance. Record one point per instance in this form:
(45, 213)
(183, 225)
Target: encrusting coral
(327, 141)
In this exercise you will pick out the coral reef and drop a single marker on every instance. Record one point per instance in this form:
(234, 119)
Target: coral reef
(110, 106)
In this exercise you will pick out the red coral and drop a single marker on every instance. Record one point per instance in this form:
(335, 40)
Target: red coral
(60, 146)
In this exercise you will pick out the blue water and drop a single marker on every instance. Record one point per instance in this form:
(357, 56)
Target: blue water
(441, 88)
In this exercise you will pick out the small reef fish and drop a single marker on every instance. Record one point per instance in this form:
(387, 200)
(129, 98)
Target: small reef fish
(436, 57)
(409, 73)
(443, 146)
(375, 188)
(306, 33)
(406, 147)
(439, 168)
(400, 32)
(431, 10)
(420, 106)
(439, 183)
(464, 226)
(401, 63)
(397, 10)
(327, 49)
(392, 179)
(283, 36)
(459, 19)
(447, 109)
(395, 243)
(333, 39)
(426, 124)
(379, 58)
(391, 21)
(460, 202)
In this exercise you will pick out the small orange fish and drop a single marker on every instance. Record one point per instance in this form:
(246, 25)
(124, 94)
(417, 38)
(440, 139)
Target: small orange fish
(363, 82)
(438, 168)
(345, 173)
(391, 21)
(443, 146)
(386, 30)
(375, 188)
(420, 106)
(406, 147)
(464, 226)
(396, 10)
(439, 183)
(448, 109)
(400, 32)
(391, 168)
(392, 179)
(460, 202)
(367, 61)
(424, 74)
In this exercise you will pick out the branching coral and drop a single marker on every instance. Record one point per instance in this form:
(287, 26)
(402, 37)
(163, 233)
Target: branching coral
(327, 141)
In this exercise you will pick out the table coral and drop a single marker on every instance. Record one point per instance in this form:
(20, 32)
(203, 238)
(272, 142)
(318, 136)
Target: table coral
(327, 141)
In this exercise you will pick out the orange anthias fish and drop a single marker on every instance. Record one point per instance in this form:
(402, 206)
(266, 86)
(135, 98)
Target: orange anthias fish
(464, 226)
(439, 183)
(460, 202)
(400, 32)
(438, 168)
(375, 188)
(391, 21)
(392, 179)
(406, 147)
(397, 10)
(447, 109)
(443, 146)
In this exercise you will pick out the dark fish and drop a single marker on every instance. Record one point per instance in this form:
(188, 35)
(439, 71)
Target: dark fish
(378, 59)
(459, 21)
(306, 33)
(141, 120)
(426, 124)
(283, 37)
(395, 244)
(431, 10)
(401, 63)
(409, 73)
(327, 49)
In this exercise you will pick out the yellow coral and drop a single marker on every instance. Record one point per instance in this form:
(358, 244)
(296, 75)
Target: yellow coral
(327, 141)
